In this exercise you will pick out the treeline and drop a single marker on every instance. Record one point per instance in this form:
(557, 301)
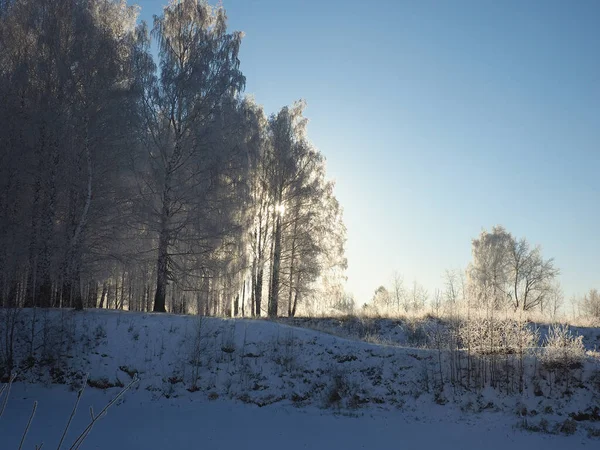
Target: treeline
(131, 183)
(506, 274)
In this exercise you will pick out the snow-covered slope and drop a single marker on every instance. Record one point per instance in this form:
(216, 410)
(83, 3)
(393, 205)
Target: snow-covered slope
(195, 373)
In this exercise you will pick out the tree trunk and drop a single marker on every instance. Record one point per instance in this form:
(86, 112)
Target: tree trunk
(122, 296)
(258, 290)
(76, 289)
(31, 292)
(252, 289)
(296, 296)
(274, 298)
(103, 296)
(148, 298)
(161, 272)
(291, 280)
(130, 302)
(244, 298)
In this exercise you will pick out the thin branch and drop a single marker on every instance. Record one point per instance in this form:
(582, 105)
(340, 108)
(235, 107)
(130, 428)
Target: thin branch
(28, 425)
(73, 412)
(6, 388)
(77, 443)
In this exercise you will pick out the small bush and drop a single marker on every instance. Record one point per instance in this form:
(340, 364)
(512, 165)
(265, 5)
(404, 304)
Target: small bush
(99, 333)
(568, 427)
(103, 383)
(562, 350)
(543, 426)
(493, 336)
(341, 389)
(591, 415)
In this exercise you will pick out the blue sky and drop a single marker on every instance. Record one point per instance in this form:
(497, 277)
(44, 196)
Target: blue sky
(438, 119)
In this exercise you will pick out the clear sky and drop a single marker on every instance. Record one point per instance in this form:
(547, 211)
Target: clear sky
(438, 119)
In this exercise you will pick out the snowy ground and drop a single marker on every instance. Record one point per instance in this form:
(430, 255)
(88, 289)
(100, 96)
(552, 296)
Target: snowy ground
(215, 383)
(225, 424)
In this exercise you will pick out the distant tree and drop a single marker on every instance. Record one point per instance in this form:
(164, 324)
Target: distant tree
(399, 293)
(590, 305)
(346, 305)
(553, 301)
(508, 271)
(382, 299)
(489, 270)
(531, 276)
(417, 296)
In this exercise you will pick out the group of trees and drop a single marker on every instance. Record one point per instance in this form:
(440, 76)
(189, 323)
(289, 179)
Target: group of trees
(506, 273)
(589, 304)
(398, 299)
(128, 183)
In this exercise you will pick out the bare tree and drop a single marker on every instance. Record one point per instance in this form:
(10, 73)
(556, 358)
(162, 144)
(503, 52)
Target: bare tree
(531, 276)
(554, 301)
(399, 293)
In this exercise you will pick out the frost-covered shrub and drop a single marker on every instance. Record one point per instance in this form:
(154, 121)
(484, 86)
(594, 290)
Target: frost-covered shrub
(492, 351)
(491, 336)
(562, 350)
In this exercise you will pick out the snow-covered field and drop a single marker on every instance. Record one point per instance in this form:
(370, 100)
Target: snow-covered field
(194, 422)
(215, 383)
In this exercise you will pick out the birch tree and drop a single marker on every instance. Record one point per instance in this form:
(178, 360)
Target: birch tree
(507, 271)
(69, 65)
(199, 69)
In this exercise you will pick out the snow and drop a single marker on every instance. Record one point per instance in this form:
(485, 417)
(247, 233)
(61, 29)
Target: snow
(186, 423)
(217, 383)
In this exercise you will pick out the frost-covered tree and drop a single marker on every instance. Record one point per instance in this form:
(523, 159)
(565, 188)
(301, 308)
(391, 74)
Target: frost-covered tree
(590, 304)
(126, 183)
(307, 233)
(66, 118)
(531, 276)
(489, 271)
(185, 114)
(506, 270)
(554, 301)
(399, 293)
(382, 299)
